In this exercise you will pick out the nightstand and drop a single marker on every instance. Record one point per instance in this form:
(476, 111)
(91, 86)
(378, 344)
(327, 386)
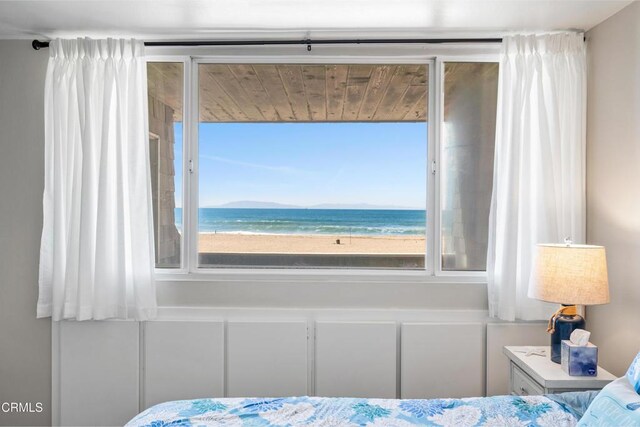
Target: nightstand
(533, 374)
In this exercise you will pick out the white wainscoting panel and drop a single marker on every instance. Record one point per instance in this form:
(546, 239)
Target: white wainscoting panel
(501, 334)
(267, 359)
(105, 372)
(356, 359)
(442, 360)
(98, 372)
(182, 360)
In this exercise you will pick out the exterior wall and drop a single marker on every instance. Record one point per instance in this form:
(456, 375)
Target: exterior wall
(613, 174)
(161, 143)
(25, 342)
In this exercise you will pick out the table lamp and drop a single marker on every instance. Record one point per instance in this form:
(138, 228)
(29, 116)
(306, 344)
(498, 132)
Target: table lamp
(568, 275)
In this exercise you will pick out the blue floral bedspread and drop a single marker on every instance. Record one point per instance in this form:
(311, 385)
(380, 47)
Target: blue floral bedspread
(502, 411)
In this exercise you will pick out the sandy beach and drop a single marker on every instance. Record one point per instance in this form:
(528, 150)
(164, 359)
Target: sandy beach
(310, 244)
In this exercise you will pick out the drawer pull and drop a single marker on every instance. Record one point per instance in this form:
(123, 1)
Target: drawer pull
(523, 391)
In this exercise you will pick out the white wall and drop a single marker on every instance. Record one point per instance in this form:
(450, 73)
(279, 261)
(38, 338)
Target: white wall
(332, 293)
(25, 342)
(613, 181)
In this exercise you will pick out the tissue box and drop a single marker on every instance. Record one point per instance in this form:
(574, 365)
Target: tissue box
(579, 361)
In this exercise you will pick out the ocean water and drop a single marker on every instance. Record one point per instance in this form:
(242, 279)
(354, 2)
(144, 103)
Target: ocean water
(364, 222)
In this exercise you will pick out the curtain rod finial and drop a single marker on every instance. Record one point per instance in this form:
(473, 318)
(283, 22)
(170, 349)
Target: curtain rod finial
(37, 44)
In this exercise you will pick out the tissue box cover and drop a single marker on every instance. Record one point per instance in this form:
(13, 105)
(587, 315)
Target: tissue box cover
(579, 361)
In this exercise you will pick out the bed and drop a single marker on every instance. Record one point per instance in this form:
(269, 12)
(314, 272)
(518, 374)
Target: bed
(502, 411)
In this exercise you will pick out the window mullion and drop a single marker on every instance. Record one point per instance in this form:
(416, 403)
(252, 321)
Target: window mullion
(438, 95)
(431, 176)
(191, 166)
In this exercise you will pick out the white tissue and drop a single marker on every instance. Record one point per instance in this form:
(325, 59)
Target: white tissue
(580, 337)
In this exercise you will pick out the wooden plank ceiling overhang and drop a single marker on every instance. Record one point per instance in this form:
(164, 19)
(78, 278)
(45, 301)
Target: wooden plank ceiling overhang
(232, 93)
(298, 93)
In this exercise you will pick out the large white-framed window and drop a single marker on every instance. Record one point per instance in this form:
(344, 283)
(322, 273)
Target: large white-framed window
(439, 226)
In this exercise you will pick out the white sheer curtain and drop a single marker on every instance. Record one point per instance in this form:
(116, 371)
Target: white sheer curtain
(97, 255)
(539, 172)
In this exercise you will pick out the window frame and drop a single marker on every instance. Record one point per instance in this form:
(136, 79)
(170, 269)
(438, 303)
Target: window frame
(433, 57)
(440, 61)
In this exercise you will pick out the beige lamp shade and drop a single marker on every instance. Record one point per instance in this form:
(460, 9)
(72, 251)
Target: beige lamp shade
(570, 274)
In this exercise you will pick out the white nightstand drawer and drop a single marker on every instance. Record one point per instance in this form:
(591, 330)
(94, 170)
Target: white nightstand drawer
(522, 384)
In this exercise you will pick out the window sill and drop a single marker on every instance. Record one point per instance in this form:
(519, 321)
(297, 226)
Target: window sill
(320, 276)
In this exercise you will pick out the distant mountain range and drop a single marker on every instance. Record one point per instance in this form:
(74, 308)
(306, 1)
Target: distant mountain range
(251, 204)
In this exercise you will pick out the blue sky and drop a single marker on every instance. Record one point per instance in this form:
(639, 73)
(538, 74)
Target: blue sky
(311, 163)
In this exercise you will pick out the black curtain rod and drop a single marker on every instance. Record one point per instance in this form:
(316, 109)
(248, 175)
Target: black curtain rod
(37, 44)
